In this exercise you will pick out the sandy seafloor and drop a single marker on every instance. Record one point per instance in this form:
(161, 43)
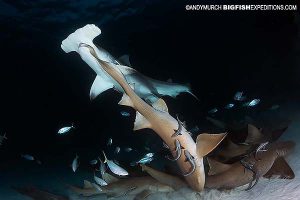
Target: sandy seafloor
(50, 176)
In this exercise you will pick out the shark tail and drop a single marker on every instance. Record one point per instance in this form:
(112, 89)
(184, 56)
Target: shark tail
(84, 35)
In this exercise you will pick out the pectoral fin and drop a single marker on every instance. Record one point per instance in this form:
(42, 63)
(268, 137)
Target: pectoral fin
(99, 85)
(216, 167)
(161, 105)
(207, 142)
(140, 122)
(142, 195)
(280, 168)
(254, 135)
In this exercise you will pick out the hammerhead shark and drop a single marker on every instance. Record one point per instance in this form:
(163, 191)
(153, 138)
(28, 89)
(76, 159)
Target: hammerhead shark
(155, 117)
(145, 87)
(227, 176)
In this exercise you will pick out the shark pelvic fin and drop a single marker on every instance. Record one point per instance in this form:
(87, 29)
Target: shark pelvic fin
(216, 167)
(99, 85)
(140, 122)
(85, 35)
(161, 105)
(254, 135)
(281, 169)
(126, 101)
(205, 143)
(87, 184)
(109, 178)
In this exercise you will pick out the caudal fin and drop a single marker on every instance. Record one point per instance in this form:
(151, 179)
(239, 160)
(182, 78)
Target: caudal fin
(85, 35)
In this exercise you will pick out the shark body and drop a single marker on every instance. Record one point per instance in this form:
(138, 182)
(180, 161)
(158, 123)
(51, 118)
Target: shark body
(225, 176)
(145, 87)
(140, 187)
(155, 117)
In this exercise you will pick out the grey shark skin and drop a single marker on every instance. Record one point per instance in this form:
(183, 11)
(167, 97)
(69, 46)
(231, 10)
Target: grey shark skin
(131, 186)
(145, 87)
(156, 118)
(235, 175)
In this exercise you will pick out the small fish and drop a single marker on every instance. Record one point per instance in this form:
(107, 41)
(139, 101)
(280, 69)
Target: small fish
(65, 130)
(180, 127)
(75, 163)
(114, 167)
(99, 181)
(149, 155)
(239, 96)
(191, 160)
(102, 167)
(262, 147)
(2, 137)
(177, 150)
(212, 111)
(229, 106)
(145, 160)
(27, 157)
(93, 162)
(147, 148)
(252, 103)
(125, 114)
(117, 150)
(109, 142)
(128, 149)
(274, 107)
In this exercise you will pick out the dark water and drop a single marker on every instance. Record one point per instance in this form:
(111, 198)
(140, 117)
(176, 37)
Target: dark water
(43, 89)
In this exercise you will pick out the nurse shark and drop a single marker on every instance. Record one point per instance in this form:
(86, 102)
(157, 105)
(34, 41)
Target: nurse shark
(145, 87)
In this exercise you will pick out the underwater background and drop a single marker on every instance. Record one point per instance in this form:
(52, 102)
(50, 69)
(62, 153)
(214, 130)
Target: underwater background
(217, 53)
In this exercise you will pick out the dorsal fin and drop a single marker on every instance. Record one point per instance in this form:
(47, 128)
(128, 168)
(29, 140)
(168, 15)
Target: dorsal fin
(207, 142)
(126, 101)
(124, 59)
(280, 168)
(161, 105)
(254, 135)
(140, 122)
(109, 178)
(216, 167)
(87, 184)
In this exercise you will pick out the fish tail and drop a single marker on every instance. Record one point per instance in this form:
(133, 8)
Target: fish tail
(105, 158)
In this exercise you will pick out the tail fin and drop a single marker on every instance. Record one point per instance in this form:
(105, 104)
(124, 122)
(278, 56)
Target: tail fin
(85, 35)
